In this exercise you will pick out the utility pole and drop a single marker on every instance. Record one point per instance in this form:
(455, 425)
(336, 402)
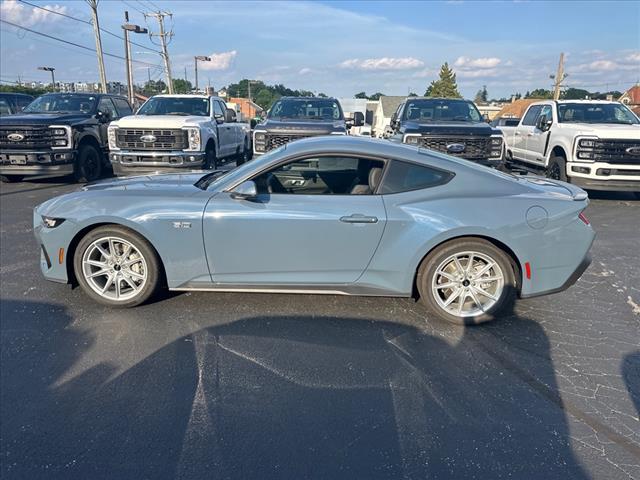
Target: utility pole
(202, 58)
(96, 31)
(163, 40)
(558, 78)
(127, 27)
(53, 77)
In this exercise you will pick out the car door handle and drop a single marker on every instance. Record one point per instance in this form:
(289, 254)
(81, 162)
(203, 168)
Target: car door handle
(358, 218)
(517, 134)
(529, 134)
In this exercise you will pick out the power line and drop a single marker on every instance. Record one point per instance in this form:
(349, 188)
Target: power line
(84, 47)
(87, 22)
(135, 8)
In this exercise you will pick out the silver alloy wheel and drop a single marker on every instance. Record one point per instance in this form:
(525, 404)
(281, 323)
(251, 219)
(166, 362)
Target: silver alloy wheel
(467, 284)
(114, 268)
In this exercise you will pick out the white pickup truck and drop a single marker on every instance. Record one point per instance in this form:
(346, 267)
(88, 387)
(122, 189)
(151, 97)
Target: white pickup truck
(592, 144)
(172, 132)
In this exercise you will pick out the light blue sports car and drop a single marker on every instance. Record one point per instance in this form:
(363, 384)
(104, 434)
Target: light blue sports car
(335, 214)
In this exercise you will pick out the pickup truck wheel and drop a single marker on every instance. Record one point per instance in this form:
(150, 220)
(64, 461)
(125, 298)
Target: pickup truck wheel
(245, 155)
(88, 164)
(466, 281)
(10, 178)
(557, 169)
(210, 160)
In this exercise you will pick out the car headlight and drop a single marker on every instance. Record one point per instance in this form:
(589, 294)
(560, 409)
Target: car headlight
(586, 149)
(260, 141)
(496, 146)
(193, 137)
(60, 136)
(411, 139)
(51, 222)
(112, 135)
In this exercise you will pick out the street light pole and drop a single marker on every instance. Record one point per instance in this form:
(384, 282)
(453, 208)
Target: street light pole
(202, 58)
(127, 27)
(53, 77)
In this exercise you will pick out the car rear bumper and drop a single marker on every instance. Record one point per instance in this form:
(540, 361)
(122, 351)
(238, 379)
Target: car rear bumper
(136, 163)
(19, 162)
(573, 278)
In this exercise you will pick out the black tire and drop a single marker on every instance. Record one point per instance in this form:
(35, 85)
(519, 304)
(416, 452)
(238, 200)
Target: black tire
(88, 166)
(153, 265)
(557, 169)
(440, 254)
(245, 155)
(11, 178)
(210, 158)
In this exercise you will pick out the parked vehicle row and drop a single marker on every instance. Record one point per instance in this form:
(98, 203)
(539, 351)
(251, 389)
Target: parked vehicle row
(12, 103)
(592, 144)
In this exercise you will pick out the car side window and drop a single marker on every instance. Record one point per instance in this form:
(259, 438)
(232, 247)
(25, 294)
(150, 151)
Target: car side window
(123, 107)
(531, 115)
(546, 110)
(217, 110)
(330, 175)
(106, 106)
(405, 176)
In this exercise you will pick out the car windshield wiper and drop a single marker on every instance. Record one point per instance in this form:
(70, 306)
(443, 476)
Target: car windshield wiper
(182, 114)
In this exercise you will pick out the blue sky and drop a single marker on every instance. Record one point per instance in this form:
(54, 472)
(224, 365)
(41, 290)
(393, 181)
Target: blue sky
(341, 48)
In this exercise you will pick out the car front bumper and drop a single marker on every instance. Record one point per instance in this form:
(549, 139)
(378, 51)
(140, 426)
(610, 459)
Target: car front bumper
(47, 162)
(54, 245)
(141, 162)
(620, 177)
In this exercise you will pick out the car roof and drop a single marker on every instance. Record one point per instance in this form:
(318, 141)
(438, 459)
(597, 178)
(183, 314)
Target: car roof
(308, 98)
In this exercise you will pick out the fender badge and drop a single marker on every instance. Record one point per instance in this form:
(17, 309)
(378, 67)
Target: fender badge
(181, 224)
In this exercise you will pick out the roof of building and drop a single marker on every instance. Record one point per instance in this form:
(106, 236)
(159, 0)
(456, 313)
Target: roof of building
(390, 104)
(517, 107)
(633, 94)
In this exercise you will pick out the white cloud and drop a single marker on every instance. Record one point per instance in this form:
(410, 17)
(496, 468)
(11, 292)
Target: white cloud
(487, 62)
(219, 61)
(482, 73)
(634, 57)
(304, 71)
(603, 65)
(384, 63)
(12, 11)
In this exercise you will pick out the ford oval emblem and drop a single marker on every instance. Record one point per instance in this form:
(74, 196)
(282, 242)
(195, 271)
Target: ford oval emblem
(148, 138)
(15, 137)
(456, 148)
(633, 150)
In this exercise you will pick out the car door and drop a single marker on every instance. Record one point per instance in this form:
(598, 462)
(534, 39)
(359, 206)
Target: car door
(106, 106)
(307, 226)
(225, 142)
(523, 131)
(536, 142)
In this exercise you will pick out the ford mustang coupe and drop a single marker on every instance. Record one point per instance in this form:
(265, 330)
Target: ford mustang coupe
(337, 215)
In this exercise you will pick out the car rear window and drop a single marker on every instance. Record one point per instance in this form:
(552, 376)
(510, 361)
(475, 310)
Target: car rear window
(404, 177)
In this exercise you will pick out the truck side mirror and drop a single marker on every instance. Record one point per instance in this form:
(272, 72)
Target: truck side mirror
(358, 119)
(542, 123)
(229, 116)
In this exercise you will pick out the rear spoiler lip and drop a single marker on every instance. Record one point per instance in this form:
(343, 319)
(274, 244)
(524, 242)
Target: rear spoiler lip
(576, 193)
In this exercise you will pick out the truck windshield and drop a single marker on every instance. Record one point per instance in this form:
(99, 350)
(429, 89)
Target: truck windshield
(596, 113)
(441, 110)
(62, 103)
(197, 106)
(307, 109)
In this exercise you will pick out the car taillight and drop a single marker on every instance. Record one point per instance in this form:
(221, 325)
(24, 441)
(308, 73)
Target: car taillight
(584, 219)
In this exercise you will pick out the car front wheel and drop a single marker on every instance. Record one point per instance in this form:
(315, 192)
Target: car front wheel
(117, 267)
(467, 282)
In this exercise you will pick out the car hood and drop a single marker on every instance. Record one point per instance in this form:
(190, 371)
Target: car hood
(159, 121)
(480, 129)
(293, 126)
(604, 130)
(43, 118)
(170, 182)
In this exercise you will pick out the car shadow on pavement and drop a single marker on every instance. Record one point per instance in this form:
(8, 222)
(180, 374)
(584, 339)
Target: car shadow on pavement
(283, 397)
(631, 375)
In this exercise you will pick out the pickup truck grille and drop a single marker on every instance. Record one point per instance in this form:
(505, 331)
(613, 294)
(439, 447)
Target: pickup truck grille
(33, 138)
(615, 151)
(174, 139)
(475, 148)
(275, 141)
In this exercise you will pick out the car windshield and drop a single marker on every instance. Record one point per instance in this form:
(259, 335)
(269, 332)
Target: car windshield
(185, 106)
(62, 104)
(307, 109)
(441, 110)
(5, 108)
(596, 113)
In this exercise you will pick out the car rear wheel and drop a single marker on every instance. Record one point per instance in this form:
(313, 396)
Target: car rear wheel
(466, 282)
(210, 159)
(116, 267)
(11, 178)
(245, 154)
(88, 165)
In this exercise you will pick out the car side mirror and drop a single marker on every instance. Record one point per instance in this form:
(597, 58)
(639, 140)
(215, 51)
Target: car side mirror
(245, 191)
(104, 117)
(543, 124)
(486, 118)
(230, 116)
(358, 119)
(349, 122)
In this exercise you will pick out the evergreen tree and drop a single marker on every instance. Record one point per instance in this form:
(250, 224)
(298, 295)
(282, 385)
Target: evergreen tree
(445, 86)
(482, 95)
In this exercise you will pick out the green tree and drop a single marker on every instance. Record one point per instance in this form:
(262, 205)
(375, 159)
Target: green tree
(376, 96)
(540, 93)
(482, 96)
(445, 86)
(154, 87)
(361, 95)
(412, 94)
(322, 95)
(575, 94)
(181, 85)
(23, 89)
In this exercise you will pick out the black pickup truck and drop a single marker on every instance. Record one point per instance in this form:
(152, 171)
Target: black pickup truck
(293, 118)
(450, 126)
(59, 134)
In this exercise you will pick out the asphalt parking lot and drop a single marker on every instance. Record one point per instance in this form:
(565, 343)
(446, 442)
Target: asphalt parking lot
(239, 386)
